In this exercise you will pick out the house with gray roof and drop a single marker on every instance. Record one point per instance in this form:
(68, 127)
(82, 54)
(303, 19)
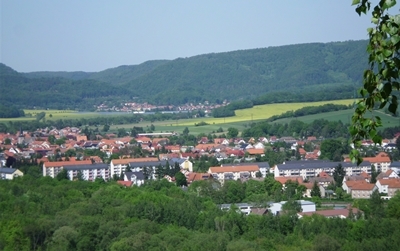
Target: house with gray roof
(9, 173)
(137, 178)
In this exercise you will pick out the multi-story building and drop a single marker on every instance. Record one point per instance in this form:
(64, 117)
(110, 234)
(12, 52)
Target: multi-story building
(83, 169)
(388, 186)
(88, 172)
(381, 161)
(222, 173)
(149, 168)
(312, 168)
(118, 166)
(362, 190)
(263, 166)
(52, 169)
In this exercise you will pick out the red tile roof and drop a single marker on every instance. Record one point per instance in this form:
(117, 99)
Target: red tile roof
(391, 183)
(333, 212)
(255, 151)
(283, 180)
(125, 183)
(197, 176)
(66, 163)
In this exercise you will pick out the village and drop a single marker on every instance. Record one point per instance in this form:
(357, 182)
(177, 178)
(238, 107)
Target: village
(136, 107)
(163, 161)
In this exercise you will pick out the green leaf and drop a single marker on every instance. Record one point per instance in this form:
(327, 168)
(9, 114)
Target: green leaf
(388, 4)
(372, 133)
(355, 2)
(387, 53)
(396, 19)
(387, 89)
(395, 39)
(392, 108)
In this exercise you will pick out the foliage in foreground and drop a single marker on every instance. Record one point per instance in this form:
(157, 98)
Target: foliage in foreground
(47, 214)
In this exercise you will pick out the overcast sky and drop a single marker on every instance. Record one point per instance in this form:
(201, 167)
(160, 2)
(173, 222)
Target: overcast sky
(93, 35)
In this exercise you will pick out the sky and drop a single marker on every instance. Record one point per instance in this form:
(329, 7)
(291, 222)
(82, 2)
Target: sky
(94, 35)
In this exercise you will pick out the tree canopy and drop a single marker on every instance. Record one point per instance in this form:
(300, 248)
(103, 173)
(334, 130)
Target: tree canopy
(381, 78)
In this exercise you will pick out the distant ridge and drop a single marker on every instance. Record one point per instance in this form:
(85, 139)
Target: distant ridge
(290, 71)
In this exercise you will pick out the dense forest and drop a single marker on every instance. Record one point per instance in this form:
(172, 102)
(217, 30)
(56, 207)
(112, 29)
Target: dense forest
(10, 112)
(55, 92)
(302, 72)
(41, 213)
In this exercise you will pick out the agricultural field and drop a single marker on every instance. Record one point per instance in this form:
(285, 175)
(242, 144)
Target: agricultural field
(242, 119)
(58, 114)
(345, 117)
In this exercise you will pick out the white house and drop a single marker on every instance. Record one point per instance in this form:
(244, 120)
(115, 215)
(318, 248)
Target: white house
(137, 178)
(388, 186)
(9, 173)
(306, 206)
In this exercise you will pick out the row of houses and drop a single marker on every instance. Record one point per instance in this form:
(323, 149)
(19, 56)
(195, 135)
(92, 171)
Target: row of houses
(88, 170)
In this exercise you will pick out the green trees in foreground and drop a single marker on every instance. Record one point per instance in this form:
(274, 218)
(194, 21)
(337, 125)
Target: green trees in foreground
(41, 213)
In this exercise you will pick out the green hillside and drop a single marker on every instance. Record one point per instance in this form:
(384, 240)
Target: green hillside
(114, 76)
(292, 73)
(251, 73)
(54, 92)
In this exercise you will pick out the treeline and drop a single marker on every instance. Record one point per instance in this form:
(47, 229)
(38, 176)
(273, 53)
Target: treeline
(11, 112)
(229, 110)
(308, 110)
(32, 125)
(319, 128)
(305, 94)
(41, 213)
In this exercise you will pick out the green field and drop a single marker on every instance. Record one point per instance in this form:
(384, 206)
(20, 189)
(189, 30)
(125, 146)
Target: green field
(345, 117)
(56, 115)
(242, 119)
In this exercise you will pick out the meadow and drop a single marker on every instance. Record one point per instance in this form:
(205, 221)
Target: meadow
(242, 119)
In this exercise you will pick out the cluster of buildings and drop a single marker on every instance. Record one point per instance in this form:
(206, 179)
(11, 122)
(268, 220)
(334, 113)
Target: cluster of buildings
(133, 107)
(242, 152)
(308, 208)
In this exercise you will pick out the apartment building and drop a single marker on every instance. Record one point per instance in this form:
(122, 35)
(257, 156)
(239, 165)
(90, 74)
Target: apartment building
(85, 169)
(52, 169)
(313, 168)
(381, 161)
(118, 166)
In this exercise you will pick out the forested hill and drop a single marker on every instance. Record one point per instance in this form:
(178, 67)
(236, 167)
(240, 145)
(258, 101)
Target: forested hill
(115, 76)
(251, 73)
(54, 92)
(285, 73)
